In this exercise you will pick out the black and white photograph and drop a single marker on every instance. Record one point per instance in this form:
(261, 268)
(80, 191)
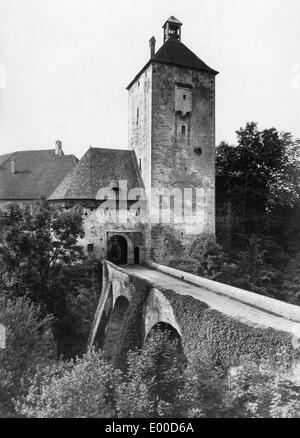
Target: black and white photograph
(149, 212)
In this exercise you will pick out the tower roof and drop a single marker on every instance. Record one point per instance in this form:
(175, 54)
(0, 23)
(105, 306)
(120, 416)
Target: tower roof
(174, 52)
(172, 19)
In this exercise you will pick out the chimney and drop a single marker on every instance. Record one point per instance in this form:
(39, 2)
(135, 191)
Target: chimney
(152, 42)
(13, 166)
(58, 148)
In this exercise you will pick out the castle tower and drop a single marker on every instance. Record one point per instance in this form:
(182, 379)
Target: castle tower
(172, 130)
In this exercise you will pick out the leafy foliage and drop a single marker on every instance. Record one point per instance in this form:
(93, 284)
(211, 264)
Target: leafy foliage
(29, 343)
(256, 390)
(153, 378)
(34, 246)
(165, 244)
(40, 259)
(75, 389)
(156, 385)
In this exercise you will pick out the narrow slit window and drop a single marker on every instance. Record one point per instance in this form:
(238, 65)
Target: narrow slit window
(140, 164)
(137, 116)
(183, 130)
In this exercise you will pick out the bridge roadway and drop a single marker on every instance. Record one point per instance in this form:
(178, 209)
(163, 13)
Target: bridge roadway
(247, 313)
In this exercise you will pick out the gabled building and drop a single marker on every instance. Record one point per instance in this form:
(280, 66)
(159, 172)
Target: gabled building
(107, 178)
(27, 176)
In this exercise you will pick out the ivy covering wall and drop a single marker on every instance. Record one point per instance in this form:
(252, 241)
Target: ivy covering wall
(204, 331)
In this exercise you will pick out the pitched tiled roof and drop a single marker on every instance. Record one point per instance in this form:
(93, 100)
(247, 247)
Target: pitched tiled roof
(173, 52)
(37, 174)
(99, 168)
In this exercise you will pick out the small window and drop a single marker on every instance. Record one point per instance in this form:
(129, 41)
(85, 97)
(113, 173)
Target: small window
(140, 164)
(183, 130)
(137, 116)
(90, 248)
(184, 97)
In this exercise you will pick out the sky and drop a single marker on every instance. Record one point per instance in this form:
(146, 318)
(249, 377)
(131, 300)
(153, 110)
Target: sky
(65, 65)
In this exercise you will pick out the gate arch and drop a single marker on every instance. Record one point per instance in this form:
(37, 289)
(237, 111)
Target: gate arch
(117, 250)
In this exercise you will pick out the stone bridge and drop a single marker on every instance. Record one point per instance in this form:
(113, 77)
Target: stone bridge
(220, 321)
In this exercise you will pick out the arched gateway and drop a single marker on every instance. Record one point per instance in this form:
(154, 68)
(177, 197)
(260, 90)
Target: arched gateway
(117, 250)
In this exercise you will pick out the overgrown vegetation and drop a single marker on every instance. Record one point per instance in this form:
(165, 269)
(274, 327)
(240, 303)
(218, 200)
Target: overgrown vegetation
(48, 292)
(156, 385)
(30, 343)
(258, 210)
(41, 260)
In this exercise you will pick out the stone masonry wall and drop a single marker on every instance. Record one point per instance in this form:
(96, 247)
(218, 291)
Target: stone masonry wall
(139, 124)
(174, 160)
(97, 232)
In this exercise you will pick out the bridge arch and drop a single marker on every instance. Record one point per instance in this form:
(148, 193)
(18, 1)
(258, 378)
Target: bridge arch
(99, 335)
(170, 334)
(159, 311)
(114, 326)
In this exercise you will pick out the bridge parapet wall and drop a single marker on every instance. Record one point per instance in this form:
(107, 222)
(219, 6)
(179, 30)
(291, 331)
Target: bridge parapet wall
(222, 322)
(270, 305)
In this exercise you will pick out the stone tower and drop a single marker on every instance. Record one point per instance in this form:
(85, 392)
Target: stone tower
(172, 131)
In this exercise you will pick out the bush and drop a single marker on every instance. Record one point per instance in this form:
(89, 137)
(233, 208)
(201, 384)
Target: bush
(158, 383)
(153, 378)
(73, 389)
(291, 281)
(165, 244)
(212, 260)
(29, 343)
(257, 390)
(203, 389)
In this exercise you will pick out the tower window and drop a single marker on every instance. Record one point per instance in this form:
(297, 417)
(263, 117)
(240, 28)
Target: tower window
(90, 248)
(140, 164)
(183, 130)
(184, 97)
(137, 116)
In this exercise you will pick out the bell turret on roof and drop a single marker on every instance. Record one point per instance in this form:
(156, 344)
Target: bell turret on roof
(172, 29)
(172, 19)
(174, 52)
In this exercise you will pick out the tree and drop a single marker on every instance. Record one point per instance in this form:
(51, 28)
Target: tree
(40, 259)
(204, 388)
(291, 281)
(258, 390)
(35, 245)
(29, 343)
(212, 260)
(153, 378)
(260, 174)
(73, 389)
